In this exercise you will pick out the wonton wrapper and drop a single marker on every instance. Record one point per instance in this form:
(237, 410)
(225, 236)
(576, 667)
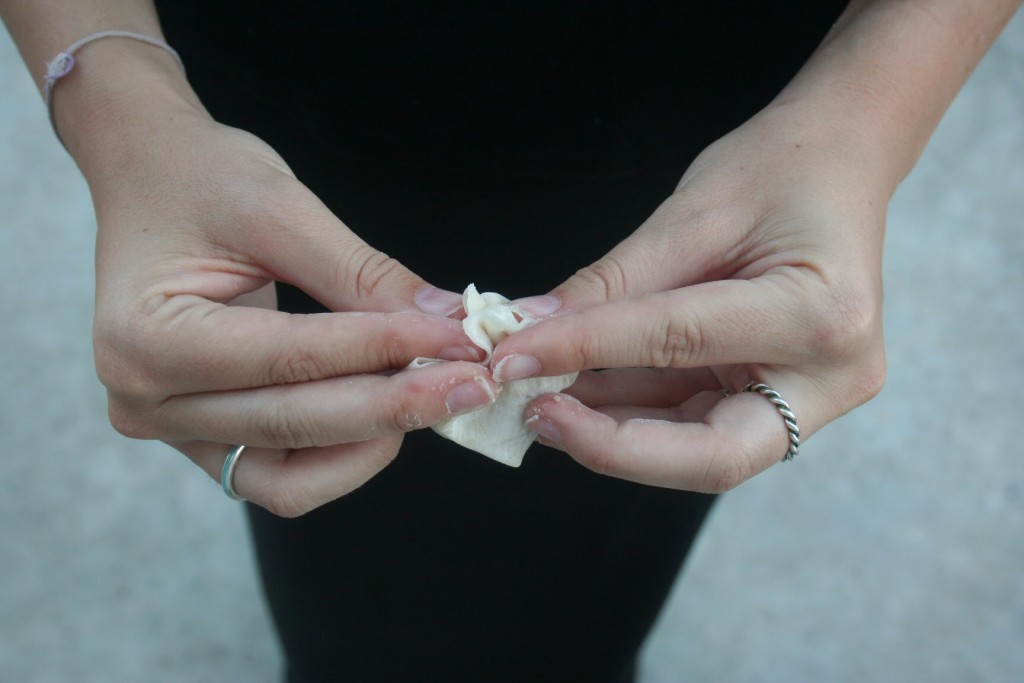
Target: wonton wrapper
(497, 430)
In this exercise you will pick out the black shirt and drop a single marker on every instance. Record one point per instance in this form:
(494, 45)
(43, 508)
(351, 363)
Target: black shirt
(583, 87)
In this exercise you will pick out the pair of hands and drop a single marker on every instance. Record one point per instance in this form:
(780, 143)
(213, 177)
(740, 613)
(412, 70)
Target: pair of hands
(764, 264)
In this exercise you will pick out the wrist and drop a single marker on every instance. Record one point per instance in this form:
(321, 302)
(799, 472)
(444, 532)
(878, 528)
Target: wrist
(883, 77)
(829, 125)
(115, 100)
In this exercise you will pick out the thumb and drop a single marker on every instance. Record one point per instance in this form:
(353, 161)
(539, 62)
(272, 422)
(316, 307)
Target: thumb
(313, 250)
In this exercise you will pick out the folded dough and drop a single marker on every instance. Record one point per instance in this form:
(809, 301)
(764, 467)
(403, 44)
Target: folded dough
(497, 430)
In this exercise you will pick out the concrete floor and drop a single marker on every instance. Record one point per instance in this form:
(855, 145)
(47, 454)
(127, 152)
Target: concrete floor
(892, 550)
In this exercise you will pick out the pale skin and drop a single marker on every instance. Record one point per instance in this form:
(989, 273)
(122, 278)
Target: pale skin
(193, 216)
(764, 264)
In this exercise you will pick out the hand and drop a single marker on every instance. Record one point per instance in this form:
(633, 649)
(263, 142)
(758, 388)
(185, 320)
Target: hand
(763, 265)
(194, 216)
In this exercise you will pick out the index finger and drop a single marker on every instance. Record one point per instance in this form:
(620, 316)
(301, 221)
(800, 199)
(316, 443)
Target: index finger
(191, 345)
(715, 323)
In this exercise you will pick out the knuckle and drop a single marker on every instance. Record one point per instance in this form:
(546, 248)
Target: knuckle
(723, 481)
(602, 457)
(679, 341)
(132, 390)
(119, 352)
(606, 464)
(868, 380)
(608, 275)
(279, 199)
(403, 410)
(583, 351)
(296, 367)
(129, 420)
(283, 426)
(874, 378)
(391, 350)
(366, 269)
(847, 322)
(599, 461)
(291, 497)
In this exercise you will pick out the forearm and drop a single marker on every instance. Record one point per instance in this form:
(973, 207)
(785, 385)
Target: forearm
(118, 87)
(885, 74)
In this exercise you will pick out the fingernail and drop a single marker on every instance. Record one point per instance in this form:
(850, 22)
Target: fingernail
(438, 301)
(539, 306)
(462, 352)
(544, 428)
(516, 366)
(468, 396)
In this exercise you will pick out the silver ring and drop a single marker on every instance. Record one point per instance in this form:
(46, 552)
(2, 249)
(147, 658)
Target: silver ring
(785, 411)
(227, 473)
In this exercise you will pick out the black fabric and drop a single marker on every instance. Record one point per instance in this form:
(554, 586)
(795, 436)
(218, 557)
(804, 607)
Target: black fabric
(449, 567)
(452, 567)
(580, 87)
(506, 144)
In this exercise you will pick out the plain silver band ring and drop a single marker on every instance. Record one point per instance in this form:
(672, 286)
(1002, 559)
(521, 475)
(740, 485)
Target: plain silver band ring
(785, 411)
(227, 473)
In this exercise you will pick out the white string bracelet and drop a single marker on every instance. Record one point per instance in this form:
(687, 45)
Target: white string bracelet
(64, 62)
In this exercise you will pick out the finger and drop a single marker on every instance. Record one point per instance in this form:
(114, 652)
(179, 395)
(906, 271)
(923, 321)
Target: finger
(298, 239)
(693, 409)
(715, 323)
(291, 483)
(325, 412)
(647, 387)
(192, 345)
(739, 437)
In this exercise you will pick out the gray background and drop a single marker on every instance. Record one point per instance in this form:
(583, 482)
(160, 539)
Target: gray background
(892, 550)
